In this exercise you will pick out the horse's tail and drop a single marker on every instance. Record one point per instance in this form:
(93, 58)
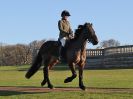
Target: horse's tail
(35, 66)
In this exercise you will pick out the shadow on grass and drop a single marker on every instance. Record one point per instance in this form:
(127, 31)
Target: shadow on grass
(22, 90)
(10, 93)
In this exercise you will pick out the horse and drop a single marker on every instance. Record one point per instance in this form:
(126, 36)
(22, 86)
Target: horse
(75, 55)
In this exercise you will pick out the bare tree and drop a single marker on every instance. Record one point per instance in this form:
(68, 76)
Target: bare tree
(109, 43)
(23, 54)
(1, 54)
(19, 54)
(34, 47)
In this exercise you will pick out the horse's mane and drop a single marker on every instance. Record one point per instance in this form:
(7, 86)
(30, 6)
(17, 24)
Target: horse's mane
(77, 33)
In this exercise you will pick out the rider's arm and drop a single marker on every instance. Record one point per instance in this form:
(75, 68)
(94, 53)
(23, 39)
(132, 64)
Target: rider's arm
(70, 30)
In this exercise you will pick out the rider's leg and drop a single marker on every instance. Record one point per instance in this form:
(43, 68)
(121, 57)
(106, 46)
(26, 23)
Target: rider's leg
(63, 41)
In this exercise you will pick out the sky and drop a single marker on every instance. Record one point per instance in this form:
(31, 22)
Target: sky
(23, 21)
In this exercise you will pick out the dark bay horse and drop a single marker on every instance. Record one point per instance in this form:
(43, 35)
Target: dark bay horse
(75, 55)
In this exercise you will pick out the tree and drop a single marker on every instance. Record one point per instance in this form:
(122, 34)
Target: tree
(19, 54)
(109, 43)
(23, 54)
(35, 46)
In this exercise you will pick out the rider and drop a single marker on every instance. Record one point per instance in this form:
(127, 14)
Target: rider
(65, 29)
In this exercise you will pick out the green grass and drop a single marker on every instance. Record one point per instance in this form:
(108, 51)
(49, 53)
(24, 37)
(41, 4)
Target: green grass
(14, 76)
(65, 95)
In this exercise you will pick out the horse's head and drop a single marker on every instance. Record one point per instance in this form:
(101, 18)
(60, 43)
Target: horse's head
(86, 32)
(89, 33)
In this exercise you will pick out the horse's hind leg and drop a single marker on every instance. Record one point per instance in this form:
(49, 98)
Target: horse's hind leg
(74, 74)
(46, 74)
(45, 77)
(48, 80)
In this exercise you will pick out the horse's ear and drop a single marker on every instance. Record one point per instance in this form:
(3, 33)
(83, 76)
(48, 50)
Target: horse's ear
(80, 26)
(91, 24)
(85, 24)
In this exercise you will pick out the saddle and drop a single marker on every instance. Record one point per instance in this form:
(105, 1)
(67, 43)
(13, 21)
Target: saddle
(60, 51)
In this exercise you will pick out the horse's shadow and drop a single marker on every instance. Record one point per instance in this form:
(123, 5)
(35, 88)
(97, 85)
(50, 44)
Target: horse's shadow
(21, 90)
(17, 92)
(10, 93)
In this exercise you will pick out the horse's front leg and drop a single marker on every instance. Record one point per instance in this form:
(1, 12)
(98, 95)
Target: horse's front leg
(81, 84)
(74, 74)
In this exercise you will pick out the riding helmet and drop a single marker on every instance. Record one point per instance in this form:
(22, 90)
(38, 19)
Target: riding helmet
(65, 13)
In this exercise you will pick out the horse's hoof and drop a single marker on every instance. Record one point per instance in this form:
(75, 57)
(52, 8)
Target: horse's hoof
(83, 88)
(43, 83)
(68, 80)
(51, 86)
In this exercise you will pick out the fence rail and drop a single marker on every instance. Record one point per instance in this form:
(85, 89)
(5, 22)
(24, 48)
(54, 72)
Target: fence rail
(112, 57)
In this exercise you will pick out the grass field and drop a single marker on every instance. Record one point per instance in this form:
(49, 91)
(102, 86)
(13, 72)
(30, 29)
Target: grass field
(118, 78)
